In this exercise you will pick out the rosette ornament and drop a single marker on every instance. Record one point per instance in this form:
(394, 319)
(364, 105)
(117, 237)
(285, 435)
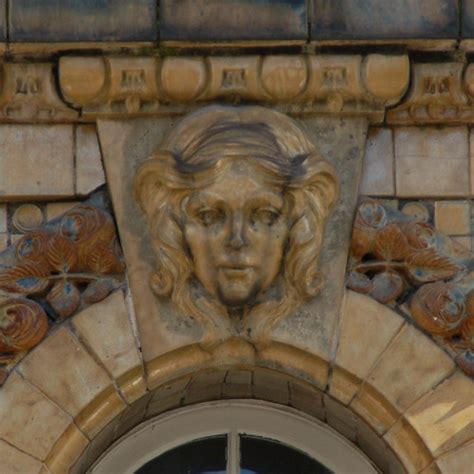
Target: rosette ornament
(439, 308)
(23, 324)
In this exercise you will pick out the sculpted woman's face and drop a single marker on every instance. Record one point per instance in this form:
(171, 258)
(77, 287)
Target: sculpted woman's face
(236, 230)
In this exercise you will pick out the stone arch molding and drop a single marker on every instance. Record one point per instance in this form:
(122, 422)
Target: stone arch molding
(419, 420)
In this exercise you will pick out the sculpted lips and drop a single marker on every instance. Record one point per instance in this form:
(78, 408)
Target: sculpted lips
(236, 270)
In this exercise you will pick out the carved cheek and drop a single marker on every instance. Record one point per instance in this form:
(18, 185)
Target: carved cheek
(281, 235)
(203, 245)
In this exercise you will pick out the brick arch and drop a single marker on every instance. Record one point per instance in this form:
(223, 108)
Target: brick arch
(389, 389)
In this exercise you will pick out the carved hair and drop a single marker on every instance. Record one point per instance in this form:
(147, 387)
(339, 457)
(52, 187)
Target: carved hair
(191, 157)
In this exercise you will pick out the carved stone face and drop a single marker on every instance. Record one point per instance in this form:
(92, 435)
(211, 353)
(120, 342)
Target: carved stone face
(236, 199)
(236, 230)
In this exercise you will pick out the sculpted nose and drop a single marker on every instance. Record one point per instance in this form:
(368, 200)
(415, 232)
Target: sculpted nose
(237, 238)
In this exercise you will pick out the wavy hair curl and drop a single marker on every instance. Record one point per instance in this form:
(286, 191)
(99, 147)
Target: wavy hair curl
(191, 158)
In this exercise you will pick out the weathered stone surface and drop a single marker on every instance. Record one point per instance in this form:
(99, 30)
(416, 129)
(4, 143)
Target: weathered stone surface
(384, 19)
(453, 217)
(431, 161)
(206, 20)
(458, 461)
(3, 218)
(64, 371)
(340, 417)
(89, 169)
(378, 172)
(125, 145)
(404, 373)
(471, 160)
(36, 161)
(310, 402)
(56, 209)
(23, 406)
(3, 241)
(313, 327)
(444, 418)
(238, 384)
(106, 329)
(373, 446)
(408, 446)
(82, 20)
(367, 320)
(66, 451)
(16, 462)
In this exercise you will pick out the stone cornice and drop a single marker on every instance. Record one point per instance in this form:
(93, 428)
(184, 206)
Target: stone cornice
(345, 85)
(375, 86)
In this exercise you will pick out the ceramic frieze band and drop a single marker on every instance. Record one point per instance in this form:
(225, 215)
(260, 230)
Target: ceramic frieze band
(348, 85)
(54, 271)
(402, 260)
(440, 93)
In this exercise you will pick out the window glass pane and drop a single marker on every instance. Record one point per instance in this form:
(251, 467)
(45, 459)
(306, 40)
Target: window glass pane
(204, 456)
(264, 456)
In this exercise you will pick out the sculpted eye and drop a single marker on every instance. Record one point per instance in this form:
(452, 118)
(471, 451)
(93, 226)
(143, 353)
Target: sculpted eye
(265, 216)
(210, 216)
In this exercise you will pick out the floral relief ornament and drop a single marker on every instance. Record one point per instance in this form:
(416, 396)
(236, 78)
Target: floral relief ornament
(236, 200)
(53, 272)
(403, 261)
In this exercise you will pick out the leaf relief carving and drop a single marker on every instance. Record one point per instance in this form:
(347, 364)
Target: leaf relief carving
(427, 265)
(390, 244)
(28, 278)
(69, 263)
(61, 254)
(64, 297)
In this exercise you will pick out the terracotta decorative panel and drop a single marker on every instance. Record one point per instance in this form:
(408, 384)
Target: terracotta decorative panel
(402, 260)
(55, 270)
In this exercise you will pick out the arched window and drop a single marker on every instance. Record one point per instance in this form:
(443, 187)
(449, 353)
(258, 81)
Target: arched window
(233, 437)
